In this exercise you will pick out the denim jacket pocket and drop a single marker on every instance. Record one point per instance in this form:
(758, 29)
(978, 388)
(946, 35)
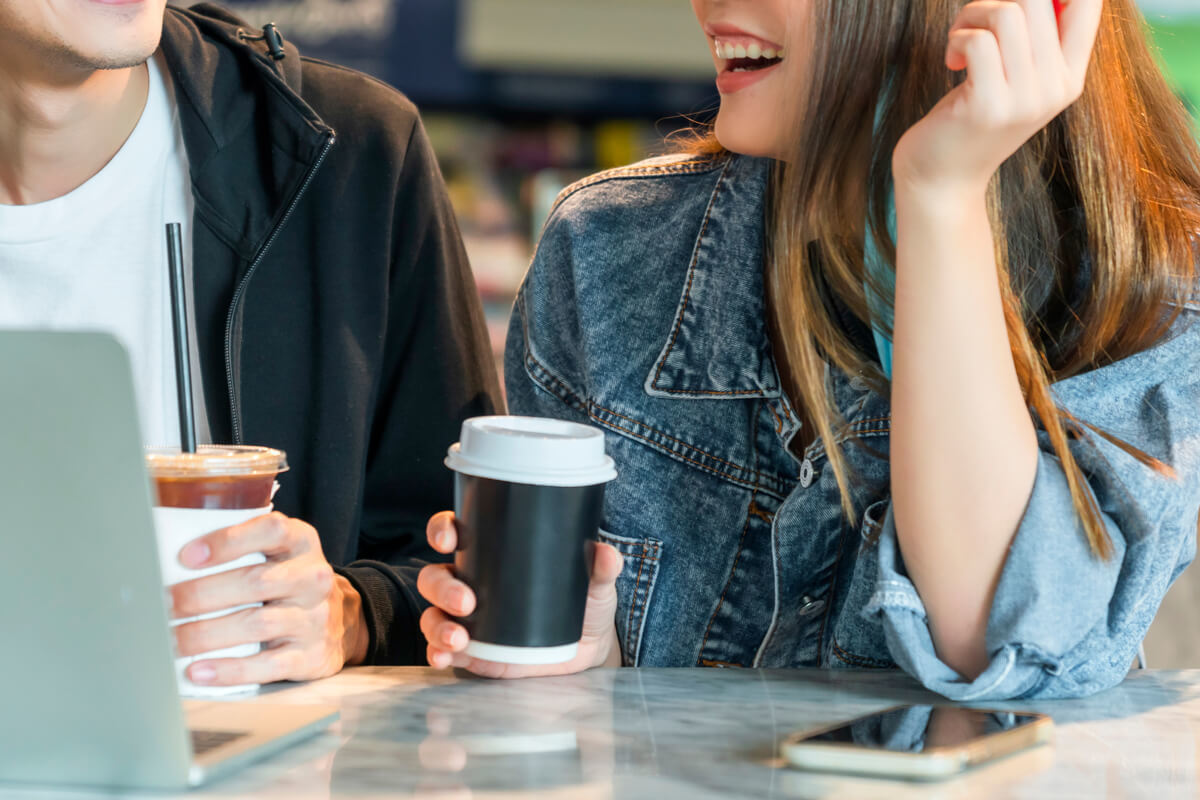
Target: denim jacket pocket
(635, 588)
(858, 642)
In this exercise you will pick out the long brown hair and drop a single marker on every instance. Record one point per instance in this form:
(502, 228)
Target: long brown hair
(1094, 218)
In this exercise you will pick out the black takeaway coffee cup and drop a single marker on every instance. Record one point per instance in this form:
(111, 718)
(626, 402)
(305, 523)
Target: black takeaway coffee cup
(528, 495)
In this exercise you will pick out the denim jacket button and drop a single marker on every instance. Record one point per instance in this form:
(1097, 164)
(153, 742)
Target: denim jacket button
(811, 606)
(806, 473)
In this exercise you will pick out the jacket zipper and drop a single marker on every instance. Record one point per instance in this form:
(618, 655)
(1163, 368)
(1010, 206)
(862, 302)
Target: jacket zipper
(240, 293)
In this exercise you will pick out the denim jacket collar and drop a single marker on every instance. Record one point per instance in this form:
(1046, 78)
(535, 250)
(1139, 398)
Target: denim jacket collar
(718, 346)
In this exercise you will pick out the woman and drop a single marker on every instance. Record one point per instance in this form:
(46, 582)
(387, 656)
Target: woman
(928, 397)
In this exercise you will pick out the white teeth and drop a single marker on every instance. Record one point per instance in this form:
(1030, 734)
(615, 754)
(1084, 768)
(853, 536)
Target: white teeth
(755, 51)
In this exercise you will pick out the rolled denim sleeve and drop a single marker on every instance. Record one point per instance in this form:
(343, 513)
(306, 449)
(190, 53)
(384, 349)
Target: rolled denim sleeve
(1064, 622)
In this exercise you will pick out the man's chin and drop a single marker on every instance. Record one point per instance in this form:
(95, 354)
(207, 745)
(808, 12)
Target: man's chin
(122, 62)
(110, 59)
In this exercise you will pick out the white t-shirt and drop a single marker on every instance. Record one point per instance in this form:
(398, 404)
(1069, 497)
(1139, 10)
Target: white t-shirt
(96, 260)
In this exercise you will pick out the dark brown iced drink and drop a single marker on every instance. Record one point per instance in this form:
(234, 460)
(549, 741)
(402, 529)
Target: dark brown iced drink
(228, 477)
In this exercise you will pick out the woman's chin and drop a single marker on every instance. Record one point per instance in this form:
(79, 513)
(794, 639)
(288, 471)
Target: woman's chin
(737, 136)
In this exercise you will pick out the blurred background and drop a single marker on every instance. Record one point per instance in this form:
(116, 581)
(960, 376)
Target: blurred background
(522, 97)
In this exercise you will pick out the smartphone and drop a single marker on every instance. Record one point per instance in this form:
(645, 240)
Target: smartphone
(917, 742)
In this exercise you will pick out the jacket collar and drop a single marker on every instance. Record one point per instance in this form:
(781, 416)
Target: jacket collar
(233, 98)
(718, 346)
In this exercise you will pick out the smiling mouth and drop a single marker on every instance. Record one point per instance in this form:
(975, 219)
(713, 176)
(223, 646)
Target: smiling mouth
(746, 55)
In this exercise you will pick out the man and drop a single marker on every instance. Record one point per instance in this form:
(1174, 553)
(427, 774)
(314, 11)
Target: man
(335, 314)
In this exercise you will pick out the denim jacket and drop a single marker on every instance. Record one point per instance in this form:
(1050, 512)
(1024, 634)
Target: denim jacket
(643, 314)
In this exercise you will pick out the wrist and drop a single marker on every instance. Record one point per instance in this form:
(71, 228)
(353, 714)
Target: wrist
(938, 193)
(355, 636)
(942, 200)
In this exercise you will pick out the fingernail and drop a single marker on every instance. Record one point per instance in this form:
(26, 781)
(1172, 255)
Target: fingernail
(195, 554)
(457, 639)
(440, 660)
(458, 598)
(442, 540)
(203, 674)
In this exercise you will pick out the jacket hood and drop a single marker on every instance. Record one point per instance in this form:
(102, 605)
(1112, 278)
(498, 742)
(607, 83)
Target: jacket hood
(232, 97)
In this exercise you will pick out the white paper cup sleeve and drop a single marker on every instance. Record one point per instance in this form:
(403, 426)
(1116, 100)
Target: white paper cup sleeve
(175, 528)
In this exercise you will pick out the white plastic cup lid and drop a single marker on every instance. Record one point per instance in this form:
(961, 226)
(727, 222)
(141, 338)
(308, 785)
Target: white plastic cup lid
(532, 450)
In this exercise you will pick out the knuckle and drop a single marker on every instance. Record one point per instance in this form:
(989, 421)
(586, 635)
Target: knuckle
(989, 115)
(1008, 14)
(261, 577)
(277, 525)
(263, 624)
(323, 579)
(221, 541)
(304, 533)
(980, 43)
(283, 664)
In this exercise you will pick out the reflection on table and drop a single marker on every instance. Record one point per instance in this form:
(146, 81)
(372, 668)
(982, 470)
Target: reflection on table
(694, 733)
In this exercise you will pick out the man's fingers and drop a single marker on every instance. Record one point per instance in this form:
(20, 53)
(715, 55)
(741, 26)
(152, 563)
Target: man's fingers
(442, 632)
(260, 583)
(248, 626)
(277, 664)
(441, 533)
(438, 586)
(272, 534)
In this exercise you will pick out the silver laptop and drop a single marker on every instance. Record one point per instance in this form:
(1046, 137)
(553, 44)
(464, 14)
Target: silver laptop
(87, 681)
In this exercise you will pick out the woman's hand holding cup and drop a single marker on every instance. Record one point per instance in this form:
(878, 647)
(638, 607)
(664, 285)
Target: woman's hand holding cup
(452, 598)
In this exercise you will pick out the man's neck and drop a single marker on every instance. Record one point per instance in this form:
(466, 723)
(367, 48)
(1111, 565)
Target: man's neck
(56, 132)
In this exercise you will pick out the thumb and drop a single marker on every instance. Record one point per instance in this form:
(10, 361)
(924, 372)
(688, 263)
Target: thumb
(602, 592)
(606, 564)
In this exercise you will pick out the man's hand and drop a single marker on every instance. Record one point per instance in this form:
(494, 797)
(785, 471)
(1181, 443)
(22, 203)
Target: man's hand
(310, 624)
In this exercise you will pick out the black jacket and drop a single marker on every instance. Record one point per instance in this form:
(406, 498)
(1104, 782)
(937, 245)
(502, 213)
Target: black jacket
(335, 309)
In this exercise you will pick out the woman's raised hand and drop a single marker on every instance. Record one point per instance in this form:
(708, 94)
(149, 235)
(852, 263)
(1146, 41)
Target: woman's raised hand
(452, 598)
(1023, 67)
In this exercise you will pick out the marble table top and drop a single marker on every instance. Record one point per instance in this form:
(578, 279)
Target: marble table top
(690, 733)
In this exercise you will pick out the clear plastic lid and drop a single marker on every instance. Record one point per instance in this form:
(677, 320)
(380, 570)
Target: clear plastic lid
(215, 461)
(532, 450)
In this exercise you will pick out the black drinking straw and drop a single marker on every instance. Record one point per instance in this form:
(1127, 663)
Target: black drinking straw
(183, 362)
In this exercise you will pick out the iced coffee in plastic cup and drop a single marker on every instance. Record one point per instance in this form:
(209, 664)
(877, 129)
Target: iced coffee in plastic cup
(197, 493)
